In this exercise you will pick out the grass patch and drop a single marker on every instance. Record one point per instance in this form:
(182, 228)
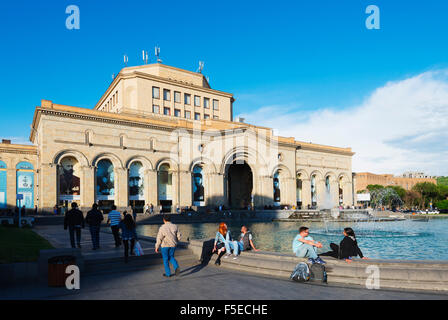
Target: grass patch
(20, 245)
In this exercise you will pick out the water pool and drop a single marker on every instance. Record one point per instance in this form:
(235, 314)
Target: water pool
(408, 240)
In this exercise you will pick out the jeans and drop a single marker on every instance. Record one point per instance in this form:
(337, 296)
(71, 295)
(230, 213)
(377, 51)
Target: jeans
(95, 235)
(232, 245)
(75, 230)
(126, 248)
(306, 251)
(115, 232)
(168, 256)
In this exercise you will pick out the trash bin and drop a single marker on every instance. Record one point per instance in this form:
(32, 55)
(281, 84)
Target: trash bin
(56, 270)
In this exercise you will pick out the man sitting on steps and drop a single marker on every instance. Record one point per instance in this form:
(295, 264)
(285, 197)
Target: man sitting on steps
(305, 247)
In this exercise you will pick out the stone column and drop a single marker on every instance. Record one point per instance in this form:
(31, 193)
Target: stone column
(306, 193)
(347, 194)
(121, 188)
(175, 190)
(320, 187)
(11, 187)
(186, 193)
(334, 190)
(151, 187)
(48, 198)
(88, 189)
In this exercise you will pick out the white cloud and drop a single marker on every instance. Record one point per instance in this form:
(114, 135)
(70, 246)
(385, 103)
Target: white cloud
(401, 126)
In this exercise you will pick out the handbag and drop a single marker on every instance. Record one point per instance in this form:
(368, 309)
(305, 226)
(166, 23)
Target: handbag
(138, 249)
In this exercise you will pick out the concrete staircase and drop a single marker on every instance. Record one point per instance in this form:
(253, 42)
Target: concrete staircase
(394, 274)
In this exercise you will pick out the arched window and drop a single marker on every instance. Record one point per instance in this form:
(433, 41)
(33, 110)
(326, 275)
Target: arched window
(136, 181)
(327, 184)
(276, 182)
(198, 186)
(3, 185)
(25, 184)
(69, 171)
(313, 190)
(105, 186)
(299, 191)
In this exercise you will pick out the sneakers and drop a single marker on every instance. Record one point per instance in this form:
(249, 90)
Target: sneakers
(235, 257)
(320, 261)
(227, 255)
(166, 276)
(311, 261)
(177, 271)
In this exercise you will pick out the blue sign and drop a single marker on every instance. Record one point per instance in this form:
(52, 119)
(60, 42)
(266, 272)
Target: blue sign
(3, 185)
(25, 187)
(20, 196)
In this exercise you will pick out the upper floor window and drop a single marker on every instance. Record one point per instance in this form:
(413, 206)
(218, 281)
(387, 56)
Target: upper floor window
(177, 112)
(166, 95)
(206, 116)
(155, 109)
(197, 101)
(166, 111)
(197, 116)
(187, 115)
(215, 104)
(206, 103)
(155, 93)
(216, 117)
(177, 96)
(187, 98)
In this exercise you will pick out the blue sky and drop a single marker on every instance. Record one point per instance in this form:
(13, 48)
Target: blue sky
(292, 56)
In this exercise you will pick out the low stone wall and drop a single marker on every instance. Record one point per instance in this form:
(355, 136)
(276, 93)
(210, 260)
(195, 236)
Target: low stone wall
(393, 274)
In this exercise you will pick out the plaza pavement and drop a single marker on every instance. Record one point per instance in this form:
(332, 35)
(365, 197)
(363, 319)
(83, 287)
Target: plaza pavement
(195, 282)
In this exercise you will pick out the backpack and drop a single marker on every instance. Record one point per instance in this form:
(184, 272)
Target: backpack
(207, 248)
(318, 273)
(301, 273)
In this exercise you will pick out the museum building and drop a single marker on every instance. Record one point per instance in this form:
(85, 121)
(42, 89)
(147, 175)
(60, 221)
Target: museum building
(161, 135)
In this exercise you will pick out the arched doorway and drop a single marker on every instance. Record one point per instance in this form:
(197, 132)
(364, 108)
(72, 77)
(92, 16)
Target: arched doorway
(3, 185)
(69, 171)
(299, 191)
(136, 186)
(198, 186)
(239, 185)
(276, 186)
(105, 184)
(165, 186)
(313, 192)
(25, 185)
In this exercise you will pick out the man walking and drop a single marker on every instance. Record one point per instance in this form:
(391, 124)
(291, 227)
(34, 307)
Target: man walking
(93, 219)
(114, 219)
(167, 238)
(74, 220)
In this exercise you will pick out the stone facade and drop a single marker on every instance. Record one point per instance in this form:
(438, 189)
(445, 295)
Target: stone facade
(129, 155)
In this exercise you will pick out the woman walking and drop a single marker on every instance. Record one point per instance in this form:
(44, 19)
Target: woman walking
(128, 235)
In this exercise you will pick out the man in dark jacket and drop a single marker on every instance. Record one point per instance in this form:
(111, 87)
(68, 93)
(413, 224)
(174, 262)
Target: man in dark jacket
(93, 219)
(74, 220)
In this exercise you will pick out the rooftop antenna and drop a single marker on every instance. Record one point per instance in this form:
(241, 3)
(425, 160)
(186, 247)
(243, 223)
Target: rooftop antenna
(157, 54)
(201, 66)
(145, 56)
(125, 60)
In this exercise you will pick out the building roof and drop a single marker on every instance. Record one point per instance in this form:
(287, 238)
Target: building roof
(163, 73)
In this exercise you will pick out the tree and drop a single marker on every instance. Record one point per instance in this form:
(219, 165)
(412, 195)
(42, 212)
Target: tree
(400, 191)
(428, 191)
(442, 191)
(372, 187)
(412, 198)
